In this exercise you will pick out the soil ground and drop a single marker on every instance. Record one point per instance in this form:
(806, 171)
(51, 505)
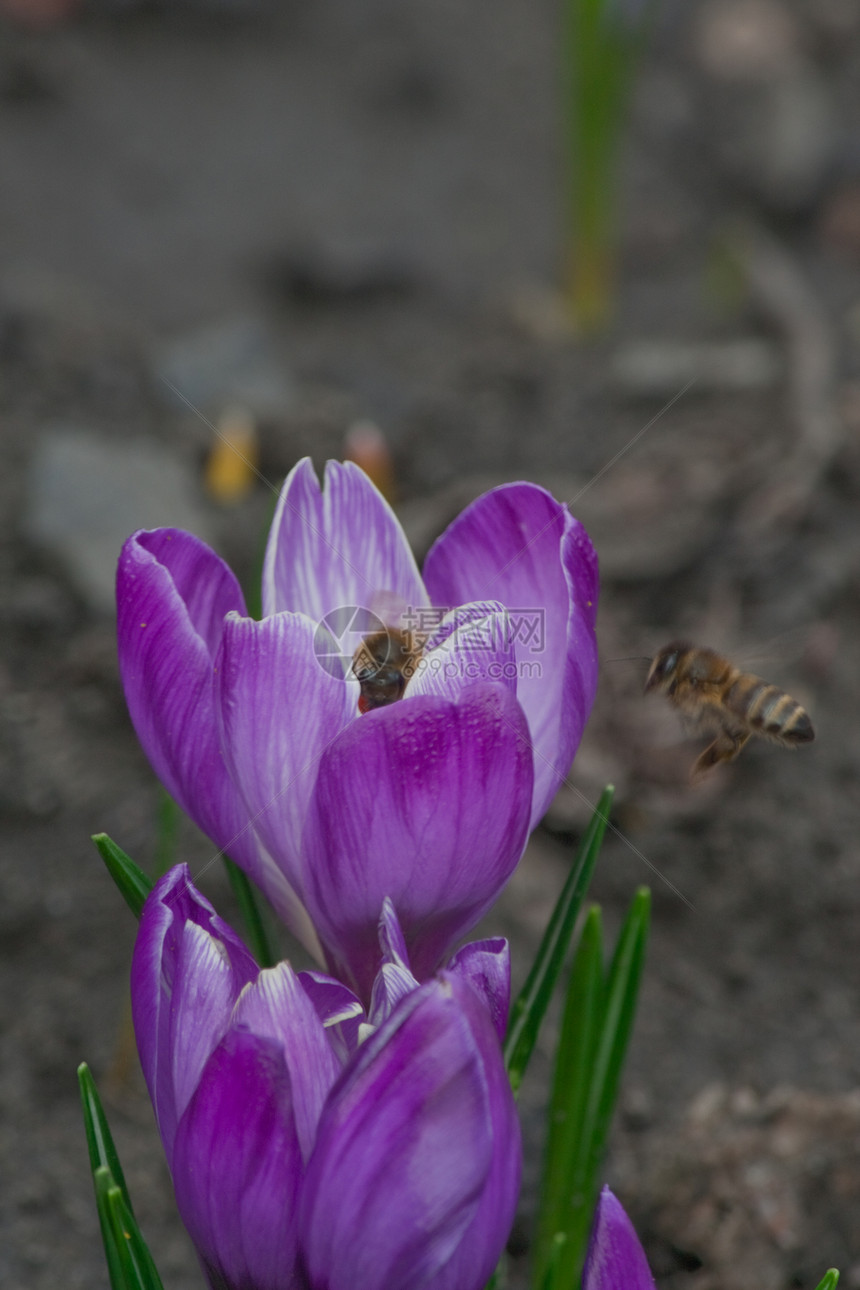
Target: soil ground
(378, 183)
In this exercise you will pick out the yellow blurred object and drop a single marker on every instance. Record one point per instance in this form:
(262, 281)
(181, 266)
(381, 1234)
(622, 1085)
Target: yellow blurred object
(365, 444)
(231, 467)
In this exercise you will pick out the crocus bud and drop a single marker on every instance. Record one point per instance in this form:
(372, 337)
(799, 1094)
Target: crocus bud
(381, 1157)
(615, 1258)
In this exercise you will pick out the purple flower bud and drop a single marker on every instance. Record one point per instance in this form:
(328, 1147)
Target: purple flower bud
(302, 1162)
(255, 728)
(615, 1258)
(415, 1174)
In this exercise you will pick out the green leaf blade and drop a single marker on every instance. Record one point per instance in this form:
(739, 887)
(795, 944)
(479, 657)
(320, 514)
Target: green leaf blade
(167, 833)
(116, 1263)
(622, 992)
(138, 1270)
(100, 1144)
(531, 1004)
(130, 1264)
(252, 917)
(562, 1195)
(134, 885)
(596, 1029)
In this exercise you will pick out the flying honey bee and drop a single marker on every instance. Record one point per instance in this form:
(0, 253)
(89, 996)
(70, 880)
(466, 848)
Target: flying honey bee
(382, 664)
(724, 701)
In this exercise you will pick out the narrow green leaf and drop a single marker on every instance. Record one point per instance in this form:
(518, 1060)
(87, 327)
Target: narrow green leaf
(137, 1269)
(169, 817)
(100, 1144)
(133, 883)
(561, 1189)
(530, 1007)
(251, 916)
(130, 1264)
(829, 1281)
(121, 1237)
(622, 992)
(619, 1010)
(558, 1244)
(103, 1184)
(595, 1033)
(145, 1272)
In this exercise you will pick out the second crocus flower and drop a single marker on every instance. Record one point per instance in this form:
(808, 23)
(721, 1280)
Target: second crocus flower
(314, 1147)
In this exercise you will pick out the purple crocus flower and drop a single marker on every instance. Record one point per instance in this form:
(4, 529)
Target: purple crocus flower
(255, 728)
(615, 1258)
(312, 1146)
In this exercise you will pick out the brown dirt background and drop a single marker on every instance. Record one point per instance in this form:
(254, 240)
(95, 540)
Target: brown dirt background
(379, 182)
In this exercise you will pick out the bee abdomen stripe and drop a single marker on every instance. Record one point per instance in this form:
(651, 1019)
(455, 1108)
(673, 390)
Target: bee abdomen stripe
(773, 711)
(798, 727)
(747, 695)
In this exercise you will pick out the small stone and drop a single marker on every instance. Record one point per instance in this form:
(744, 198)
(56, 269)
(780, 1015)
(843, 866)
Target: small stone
(662, 367)
(840, 221)
(637, 1109)
(746, 40)
(340, 275)
(540, 312)
(232, 362)
(59, 902)
(779, 138)
(87, 493)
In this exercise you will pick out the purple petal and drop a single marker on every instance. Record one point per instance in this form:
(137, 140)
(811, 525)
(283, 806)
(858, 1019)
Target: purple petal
(333, 1002)
(407, 1149)
(486, 965)
(473, 643)
(173, 593)
(426, 802)
(393, 982)
(338, 1009)
(200, 1008)
(276, 1007)
(238, 1167)
(204, 584)
(188, 970)
(338, 546)
(391, 939)
(278, 710)
(394, 978)
(478, 1253)
(615, 1258)
(519, 546)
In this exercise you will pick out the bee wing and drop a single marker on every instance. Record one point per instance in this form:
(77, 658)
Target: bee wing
(783, 650)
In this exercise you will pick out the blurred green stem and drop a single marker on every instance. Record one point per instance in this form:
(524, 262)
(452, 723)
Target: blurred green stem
(593, 75)
(167, 833)
(255, 928)
(601, 44)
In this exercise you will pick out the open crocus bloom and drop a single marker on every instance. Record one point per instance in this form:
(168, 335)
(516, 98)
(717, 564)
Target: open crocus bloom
(312, 1145)
(615, 1258)
(255, 727)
